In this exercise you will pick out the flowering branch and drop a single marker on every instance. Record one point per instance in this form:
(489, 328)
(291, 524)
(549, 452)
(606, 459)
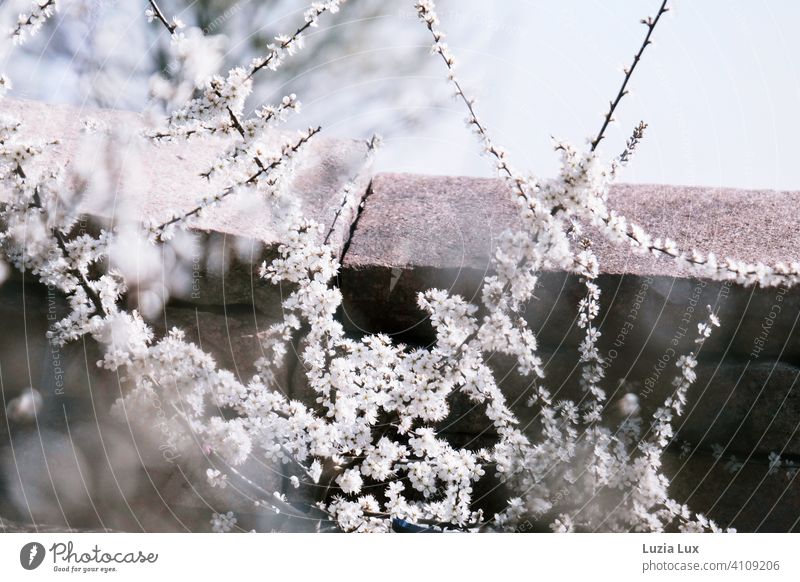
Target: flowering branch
(631, 144)
(155, 13)
(159, 231)
(651, 23)
(427, 13)
(226, 98)
(61, 240)
(594, 208)
(289, 44)
(29, 24)
(579, 192)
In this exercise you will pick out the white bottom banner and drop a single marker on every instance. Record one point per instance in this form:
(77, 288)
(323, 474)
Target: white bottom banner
(408, 558)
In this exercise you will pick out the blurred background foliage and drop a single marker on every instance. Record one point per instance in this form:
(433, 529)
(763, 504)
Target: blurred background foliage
(104, 53)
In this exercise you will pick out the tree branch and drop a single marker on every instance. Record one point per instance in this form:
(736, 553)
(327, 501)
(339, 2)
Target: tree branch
(61, 241)
(263, 169)
(159, 15)
(651, 23)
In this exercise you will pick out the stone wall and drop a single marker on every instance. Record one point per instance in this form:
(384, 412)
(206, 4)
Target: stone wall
(412, 233)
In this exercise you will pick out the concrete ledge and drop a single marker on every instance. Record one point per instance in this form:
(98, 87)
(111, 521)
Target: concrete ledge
(417, 232)
(168, 176)
(449, 222)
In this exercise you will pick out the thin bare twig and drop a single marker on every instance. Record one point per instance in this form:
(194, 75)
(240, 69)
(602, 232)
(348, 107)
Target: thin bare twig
(161, 18)
(651, 23)
(265, 63)
(502, 164)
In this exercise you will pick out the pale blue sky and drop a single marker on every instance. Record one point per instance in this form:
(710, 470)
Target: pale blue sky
(720, 88)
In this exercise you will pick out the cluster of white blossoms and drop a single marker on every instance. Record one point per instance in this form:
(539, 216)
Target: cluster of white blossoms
(377, 405)
(30, 22)
(733, 464)
(223, 522)
(287, 45)
(37, 218)
(255, 162)
(614, 476)
(193, 57)
(368, 434)
(221, 100)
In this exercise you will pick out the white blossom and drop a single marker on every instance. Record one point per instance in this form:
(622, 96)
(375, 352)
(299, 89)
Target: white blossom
(223, 522)
(30, 22)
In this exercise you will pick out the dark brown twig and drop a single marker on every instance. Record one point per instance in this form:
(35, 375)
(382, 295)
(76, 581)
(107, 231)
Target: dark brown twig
(651, 23)
(160, 16)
